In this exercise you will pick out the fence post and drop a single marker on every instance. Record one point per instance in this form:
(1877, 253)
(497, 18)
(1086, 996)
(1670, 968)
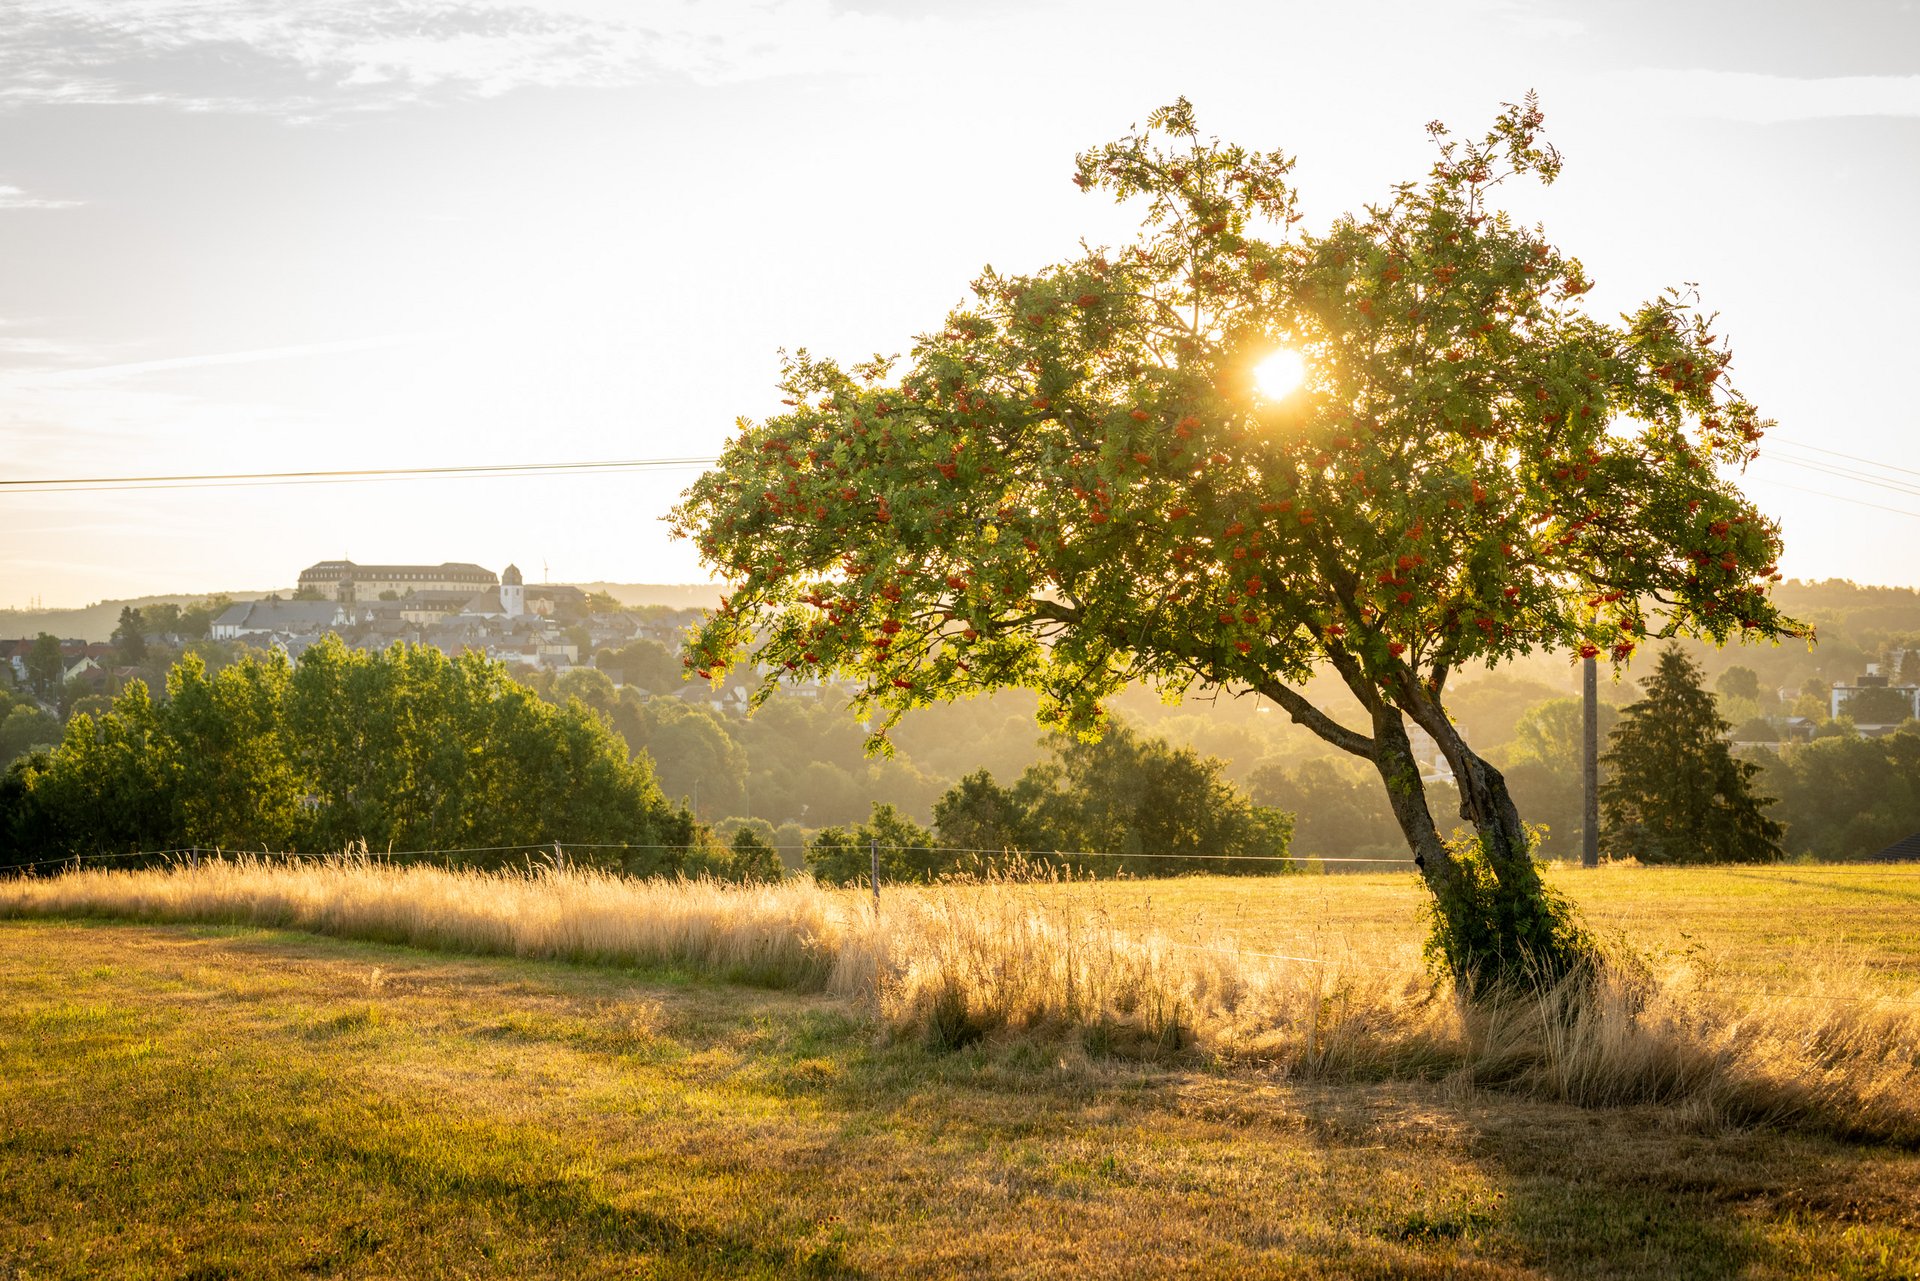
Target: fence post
(193, 857)
(559, 857)
(873, 849)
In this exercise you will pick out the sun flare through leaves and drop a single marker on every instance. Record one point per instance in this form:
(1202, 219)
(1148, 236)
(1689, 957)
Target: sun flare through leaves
(1280, 375)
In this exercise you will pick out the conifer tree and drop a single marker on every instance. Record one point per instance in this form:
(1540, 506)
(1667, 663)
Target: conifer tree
(1675, 793)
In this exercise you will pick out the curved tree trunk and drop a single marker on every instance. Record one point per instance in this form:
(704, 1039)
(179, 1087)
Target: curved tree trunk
(1496, 923)
(1525, 932)
(1445, 877)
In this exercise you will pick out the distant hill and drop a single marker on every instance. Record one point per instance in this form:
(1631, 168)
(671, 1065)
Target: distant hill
(96, 622)
(1868, 614)
(676, 595)
(1854, 620)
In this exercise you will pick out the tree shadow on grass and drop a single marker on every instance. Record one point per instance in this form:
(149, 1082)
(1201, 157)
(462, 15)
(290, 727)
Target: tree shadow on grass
(1415, 1179)
(1406, 1177)
(836, 1150)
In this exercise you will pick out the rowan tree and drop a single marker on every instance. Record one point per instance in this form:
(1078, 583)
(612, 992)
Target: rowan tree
(1077, 482)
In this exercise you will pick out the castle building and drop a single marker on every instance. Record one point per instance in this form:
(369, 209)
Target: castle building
(342, 580)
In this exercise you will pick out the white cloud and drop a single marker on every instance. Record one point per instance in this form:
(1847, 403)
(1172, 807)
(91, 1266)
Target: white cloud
(314, 57)
(15, 198)
(1767, 99)
(130, 369)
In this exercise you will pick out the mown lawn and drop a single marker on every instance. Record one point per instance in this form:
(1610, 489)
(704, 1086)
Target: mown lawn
(197, 1102)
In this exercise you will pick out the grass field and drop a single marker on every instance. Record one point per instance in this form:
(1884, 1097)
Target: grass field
(226, 1101)
(1795, 927)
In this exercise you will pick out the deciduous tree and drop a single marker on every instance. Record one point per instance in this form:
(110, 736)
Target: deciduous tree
(1845, 798)
(1079, 481)
(753, 859)
(844, 856)
(1878, 705)
(979, 816)
(1739, 682)
(129, 636)
(1160, 809)
(405, 750)
(45, 666)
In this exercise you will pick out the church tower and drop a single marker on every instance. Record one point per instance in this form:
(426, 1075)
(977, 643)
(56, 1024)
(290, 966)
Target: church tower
(513, 596)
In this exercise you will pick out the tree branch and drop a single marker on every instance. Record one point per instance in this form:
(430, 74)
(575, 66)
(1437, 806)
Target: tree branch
(1305, 713)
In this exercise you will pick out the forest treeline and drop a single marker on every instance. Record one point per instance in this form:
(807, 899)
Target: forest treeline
(412, 754)
(797, 768)
(403, 750)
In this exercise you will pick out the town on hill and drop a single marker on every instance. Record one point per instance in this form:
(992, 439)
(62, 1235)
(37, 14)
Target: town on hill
(454, 607)
(538, 630)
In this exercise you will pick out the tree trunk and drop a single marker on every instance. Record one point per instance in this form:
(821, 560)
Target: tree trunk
(1446, 878)
(1496, 923)
(1523, 931)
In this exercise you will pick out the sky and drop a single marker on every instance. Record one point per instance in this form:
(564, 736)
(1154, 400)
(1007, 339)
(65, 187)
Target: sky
(278, 235)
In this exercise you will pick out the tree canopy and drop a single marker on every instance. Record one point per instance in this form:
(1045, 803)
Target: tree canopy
(405, 749)
(1879, 705)
(129, 635)
(1077, 480)
(45, 666)
(1125, 804)
(1845, 797)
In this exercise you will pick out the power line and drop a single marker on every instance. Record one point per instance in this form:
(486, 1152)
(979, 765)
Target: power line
(1844, 473)
(1839, 498)
(478, 471)
(350, 475)
(1852, 458)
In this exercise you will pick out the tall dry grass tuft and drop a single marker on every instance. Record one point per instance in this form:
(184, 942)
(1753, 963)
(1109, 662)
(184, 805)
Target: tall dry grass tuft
(959, 962)
(1837, 1060)
(1012, 954)
(783, 935)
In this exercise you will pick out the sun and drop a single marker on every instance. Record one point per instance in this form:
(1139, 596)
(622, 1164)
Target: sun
(1279, 374)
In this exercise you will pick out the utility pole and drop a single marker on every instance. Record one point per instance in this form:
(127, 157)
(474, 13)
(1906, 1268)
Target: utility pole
(1590, 763)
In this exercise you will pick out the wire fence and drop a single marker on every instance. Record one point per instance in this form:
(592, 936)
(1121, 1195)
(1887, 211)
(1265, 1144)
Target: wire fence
(544, 849)
(556, 851)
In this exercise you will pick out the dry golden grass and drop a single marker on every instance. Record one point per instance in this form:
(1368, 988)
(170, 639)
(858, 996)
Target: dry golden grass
(216, 1101)
(1812, 930)
(1096, 963)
